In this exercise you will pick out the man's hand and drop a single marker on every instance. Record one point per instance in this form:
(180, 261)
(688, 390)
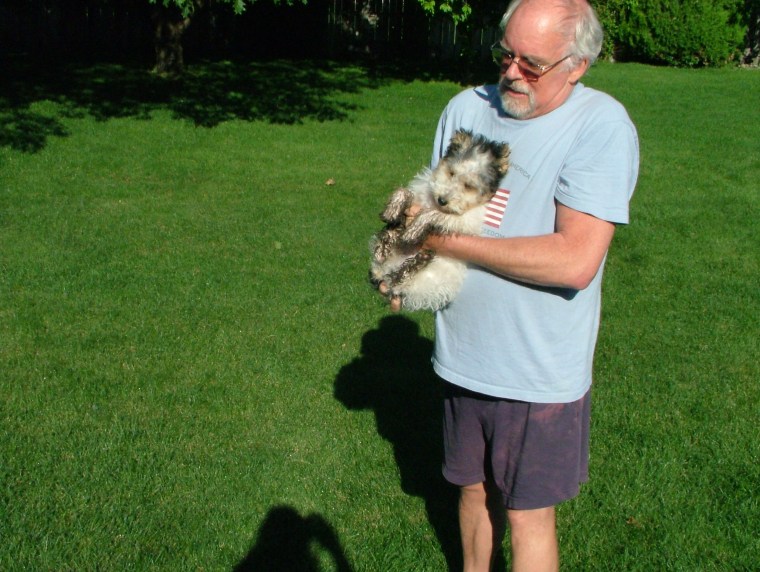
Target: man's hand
(411, 213)
(393, 301)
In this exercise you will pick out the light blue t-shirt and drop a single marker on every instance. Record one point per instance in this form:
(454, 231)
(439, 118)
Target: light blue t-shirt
(509, 339)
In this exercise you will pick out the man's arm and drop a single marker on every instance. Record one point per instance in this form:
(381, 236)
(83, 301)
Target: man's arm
(570, 257)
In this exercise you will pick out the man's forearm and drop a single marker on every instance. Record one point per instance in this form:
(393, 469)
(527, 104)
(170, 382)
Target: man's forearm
(541, 260)
(567, 258)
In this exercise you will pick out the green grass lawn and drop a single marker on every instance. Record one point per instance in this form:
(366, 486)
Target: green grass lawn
(195, 375)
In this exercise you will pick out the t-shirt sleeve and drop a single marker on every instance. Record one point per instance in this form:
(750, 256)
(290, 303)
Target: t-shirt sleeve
(440, 138)
(599, 175)
(444, 131)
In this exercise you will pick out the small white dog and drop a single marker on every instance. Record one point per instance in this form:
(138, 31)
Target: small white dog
(452, 199)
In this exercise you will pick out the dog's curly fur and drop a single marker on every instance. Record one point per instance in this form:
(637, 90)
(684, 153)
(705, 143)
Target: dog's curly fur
(451, 200)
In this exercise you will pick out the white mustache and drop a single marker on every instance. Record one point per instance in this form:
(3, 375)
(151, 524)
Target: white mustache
(510, 84)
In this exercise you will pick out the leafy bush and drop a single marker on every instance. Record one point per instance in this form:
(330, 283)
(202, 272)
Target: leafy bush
(675, 32)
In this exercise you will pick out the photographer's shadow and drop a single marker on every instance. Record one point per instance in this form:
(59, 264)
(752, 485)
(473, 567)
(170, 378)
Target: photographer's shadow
(287, 542)
(393, 377)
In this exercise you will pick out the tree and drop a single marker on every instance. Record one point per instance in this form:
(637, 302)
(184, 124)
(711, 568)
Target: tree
(171, 18)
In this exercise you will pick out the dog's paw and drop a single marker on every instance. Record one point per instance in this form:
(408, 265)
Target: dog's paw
(425, 255)
(400, 201)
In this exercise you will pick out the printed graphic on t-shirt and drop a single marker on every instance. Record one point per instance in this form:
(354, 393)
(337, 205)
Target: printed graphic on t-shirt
(496, 208)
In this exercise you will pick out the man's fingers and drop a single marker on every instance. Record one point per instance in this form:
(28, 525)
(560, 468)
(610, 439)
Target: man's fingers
(393, 301)
(410, 213)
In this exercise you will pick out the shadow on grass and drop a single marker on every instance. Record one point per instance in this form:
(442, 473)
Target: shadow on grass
(394, 377)
(209, 93)
(277, 91)
(283, 92)
(287, 540)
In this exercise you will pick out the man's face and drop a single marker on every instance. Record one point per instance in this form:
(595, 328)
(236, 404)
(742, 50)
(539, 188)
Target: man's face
(532, 38)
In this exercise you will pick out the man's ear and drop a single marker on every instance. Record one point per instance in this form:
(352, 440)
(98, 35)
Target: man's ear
(578, 71)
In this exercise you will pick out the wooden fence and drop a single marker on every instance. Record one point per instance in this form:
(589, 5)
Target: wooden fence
(327, 27)
(403, 26)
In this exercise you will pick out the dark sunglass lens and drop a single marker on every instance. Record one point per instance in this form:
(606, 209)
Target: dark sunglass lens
(501, 58)
(528, 73)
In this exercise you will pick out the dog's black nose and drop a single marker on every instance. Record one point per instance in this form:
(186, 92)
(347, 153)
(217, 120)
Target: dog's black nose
(443, 202)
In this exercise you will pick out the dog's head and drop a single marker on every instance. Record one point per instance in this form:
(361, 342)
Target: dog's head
(468, 174)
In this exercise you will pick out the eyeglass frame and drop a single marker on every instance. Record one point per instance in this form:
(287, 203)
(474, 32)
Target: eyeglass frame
(499, 53)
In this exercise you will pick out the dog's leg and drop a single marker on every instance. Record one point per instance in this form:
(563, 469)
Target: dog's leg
(409, 268)
(421, 227)
(400, 201)
(384, 243)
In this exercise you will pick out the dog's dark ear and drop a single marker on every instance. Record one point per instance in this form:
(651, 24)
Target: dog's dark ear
(501, 152)
(459, 140)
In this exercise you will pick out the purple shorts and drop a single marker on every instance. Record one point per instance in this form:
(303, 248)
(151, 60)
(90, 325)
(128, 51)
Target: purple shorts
(535, 453)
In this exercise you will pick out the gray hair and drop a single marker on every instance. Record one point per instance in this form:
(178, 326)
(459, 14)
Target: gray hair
(581, 25)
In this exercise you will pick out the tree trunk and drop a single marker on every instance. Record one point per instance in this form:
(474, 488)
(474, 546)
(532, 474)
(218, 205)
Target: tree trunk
(168, 27)
(752, 47)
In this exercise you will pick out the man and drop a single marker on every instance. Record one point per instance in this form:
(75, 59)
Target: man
(515, 348)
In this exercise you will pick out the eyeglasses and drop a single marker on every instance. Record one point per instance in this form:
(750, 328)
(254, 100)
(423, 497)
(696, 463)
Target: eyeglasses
(530, 71)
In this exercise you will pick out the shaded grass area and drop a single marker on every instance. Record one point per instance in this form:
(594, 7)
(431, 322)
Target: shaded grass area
(207, 94)
(278, 92)
(194, 373)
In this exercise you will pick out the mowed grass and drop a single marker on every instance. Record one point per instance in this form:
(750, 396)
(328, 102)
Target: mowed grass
(194, 373)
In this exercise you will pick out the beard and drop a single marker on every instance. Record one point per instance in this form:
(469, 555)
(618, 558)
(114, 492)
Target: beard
(519, 108)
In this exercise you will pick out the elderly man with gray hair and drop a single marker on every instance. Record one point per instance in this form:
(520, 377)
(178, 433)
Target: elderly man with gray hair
(515, 348)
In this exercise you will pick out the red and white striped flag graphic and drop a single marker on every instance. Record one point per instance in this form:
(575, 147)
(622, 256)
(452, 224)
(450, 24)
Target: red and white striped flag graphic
(496, 207)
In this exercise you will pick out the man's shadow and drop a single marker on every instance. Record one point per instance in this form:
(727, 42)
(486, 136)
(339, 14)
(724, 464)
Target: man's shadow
(393, 377)
(288, 542)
